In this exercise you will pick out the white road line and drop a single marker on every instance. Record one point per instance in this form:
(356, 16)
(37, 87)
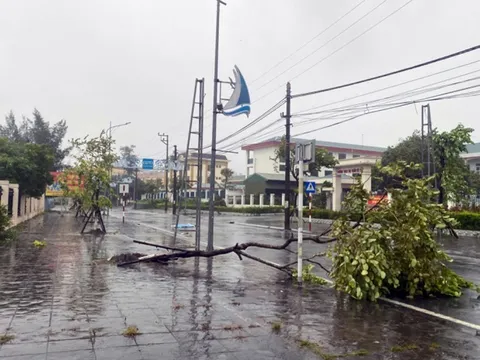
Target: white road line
(390, 301)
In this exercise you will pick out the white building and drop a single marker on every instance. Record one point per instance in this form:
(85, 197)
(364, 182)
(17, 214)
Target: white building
(472, 157)
(260, 157)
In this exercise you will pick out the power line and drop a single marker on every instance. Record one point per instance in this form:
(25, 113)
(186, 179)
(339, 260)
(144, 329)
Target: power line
(413, 67)
(437, 98)
(337, 50)
(304, 112)
(251, 123)
(257, 132)
(363, 111)
(322, 46)
(405, 94)
(351, 41)
(363, 107)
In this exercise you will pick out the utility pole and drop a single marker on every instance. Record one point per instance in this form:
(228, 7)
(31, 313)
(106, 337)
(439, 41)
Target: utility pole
(211, 197)
(300, 156)
(135, 189)
(164, 139)
(175, 156)
(287, 117)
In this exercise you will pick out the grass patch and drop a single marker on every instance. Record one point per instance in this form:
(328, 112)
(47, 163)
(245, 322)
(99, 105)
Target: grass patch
(276, 326)
(317, 350)
(402, 348)
(361, 352)
(4, 339)
(131, 331)
(434, 346)
(39, 244)
(232, 327)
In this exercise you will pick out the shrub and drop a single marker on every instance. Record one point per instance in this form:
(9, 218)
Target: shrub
(5, 232)
(466, 220)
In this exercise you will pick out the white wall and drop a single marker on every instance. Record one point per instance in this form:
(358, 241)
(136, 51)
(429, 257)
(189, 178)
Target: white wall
(262, 162)
(472, 163)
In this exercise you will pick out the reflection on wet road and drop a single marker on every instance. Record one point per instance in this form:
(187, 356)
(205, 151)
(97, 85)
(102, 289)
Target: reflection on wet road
(66, 301)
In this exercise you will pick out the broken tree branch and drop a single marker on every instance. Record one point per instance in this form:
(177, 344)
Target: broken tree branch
(158, 246)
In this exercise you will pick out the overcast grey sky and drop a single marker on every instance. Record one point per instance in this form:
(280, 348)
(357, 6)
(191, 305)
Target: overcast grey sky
(95, 61)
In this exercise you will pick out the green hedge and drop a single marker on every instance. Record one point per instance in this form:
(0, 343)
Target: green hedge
(467, 220)
(242, 210)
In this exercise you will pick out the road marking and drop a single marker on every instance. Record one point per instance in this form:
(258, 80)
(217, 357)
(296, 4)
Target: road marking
(390, 301)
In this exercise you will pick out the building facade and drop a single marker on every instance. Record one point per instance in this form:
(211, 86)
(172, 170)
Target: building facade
(260, 157)
(221, 162)
(472, 157)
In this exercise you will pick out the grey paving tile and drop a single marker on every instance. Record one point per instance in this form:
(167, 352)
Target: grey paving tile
(23, 349)
(157, 338)
(113, 341)
(72, 355)
(119, 353)
(69, 345)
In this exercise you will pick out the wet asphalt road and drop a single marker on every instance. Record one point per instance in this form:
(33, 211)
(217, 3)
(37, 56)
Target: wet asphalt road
(65, 301)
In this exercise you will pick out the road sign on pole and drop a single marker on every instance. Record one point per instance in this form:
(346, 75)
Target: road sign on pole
(304, 154)
(123, 189)
(310, 187)
(147, 164)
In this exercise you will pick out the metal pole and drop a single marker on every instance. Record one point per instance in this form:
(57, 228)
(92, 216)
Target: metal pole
(199, 166)
(123, 213)
(107, 190)
(175, 155)
(211, 195)
(287, 159)
(135, 189)
(300, 218)
(164, 139)
(310, 212)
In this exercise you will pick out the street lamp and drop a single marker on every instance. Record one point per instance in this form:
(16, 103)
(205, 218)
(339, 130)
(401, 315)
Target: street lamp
(109, 132)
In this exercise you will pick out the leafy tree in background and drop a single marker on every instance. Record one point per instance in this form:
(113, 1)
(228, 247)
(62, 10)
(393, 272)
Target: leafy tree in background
(38, 131)
(26, 164)
(93, 161)
(454, 179)
(452, 170)
(129, 158)
(227, 175)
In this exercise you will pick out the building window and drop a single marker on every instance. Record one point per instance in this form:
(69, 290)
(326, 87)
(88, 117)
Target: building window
(208, 168)
(356, 155)
(477, 167)
(328, 172)
(250, 161)
(281, 167)
(342, 156)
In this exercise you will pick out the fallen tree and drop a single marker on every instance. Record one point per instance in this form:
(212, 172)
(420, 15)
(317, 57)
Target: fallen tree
(392, 249)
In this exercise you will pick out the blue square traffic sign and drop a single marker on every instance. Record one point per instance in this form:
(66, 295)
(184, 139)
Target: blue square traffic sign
(147, 164)
(310, 187)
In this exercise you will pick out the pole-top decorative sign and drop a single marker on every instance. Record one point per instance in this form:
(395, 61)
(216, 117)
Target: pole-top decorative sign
(239, 102)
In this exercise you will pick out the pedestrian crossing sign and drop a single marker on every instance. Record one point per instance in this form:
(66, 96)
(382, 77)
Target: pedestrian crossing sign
(310, 187)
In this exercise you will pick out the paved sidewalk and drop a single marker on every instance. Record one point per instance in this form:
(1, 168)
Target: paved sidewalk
(65, 301)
